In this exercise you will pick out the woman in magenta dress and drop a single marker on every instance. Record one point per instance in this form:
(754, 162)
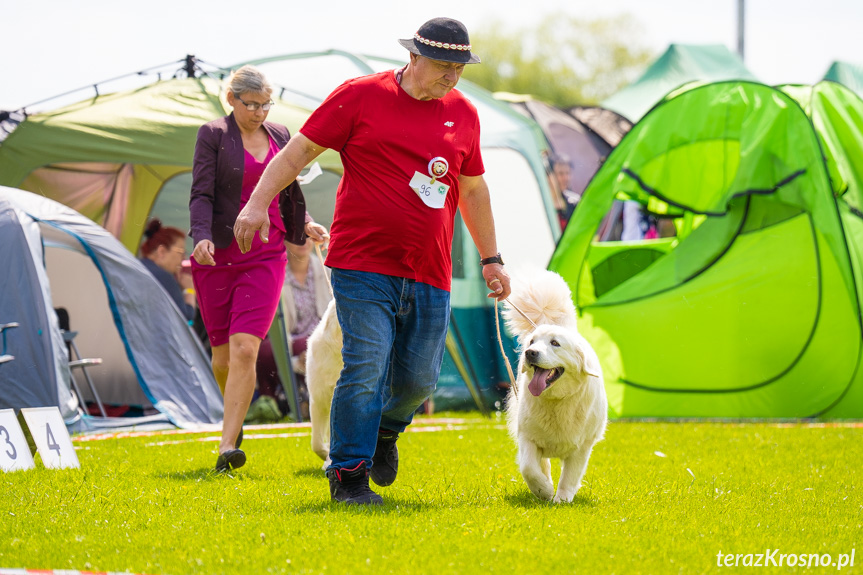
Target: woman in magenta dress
(238, 293)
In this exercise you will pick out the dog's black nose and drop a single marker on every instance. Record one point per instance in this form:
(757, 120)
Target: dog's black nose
(531, 354)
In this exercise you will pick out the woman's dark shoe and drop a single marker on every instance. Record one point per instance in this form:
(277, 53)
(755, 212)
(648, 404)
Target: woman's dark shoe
(239, 439)
(231, 459)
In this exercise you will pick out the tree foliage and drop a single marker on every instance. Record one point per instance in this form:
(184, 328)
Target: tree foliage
(564, 60)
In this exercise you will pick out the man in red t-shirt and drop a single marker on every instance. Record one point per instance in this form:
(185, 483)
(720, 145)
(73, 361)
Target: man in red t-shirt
(409, 145)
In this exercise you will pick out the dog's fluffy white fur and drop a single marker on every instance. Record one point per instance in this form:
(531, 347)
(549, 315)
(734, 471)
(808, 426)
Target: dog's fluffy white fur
(560, 410)
(323, 366)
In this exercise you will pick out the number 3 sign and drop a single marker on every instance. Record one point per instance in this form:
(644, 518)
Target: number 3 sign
(51, 437)
(14, 452)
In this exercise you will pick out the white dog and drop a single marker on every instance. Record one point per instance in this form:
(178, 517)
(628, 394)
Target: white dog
(560, 409)
(323, 366)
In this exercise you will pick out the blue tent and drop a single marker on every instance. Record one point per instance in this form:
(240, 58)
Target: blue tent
(54, 257)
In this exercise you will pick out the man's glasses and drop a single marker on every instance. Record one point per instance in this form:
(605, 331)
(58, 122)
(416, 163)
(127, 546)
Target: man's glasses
(253, 106)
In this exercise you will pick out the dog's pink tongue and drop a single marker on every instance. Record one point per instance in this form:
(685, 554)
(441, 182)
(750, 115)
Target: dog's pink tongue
(539, 382)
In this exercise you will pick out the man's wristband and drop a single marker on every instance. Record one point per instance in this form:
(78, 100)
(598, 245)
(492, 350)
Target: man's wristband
(492, 260)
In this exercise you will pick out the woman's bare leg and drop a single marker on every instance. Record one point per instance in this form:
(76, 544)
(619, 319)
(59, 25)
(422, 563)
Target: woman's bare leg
(239, 386)
(221, 362)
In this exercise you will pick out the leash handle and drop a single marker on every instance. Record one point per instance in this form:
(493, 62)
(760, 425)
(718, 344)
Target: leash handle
(502, 352)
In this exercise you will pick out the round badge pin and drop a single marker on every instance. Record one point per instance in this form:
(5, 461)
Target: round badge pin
(438, 167)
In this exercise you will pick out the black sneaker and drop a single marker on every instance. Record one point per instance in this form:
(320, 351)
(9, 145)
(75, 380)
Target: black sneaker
(385, 463)
(230, 460)
(351, 486)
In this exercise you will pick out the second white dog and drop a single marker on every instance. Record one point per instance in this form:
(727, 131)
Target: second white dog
(561, 409)
(323, 366)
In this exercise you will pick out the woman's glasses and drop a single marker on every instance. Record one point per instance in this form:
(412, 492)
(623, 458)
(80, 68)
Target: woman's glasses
(253, 106)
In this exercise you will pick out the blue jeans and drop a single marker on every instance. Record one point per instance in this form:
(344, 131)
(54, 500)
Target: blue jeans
(394, 334)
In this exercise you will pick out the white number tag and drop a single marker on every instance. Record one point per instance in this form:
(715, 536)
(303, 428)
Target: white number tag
(14, 451)
(51, 437)
(433, 194)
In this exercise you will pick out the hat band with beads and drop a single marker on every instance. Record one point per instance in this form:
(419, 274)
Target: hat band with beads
(444, 45)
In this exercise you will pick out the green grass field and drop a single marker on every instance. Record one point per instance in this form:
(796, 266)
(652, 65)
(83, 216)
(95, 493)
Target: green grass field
(658, 498)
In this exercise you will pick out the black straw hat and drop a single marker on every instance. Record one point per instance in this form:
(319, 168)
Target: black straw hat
(442, 39)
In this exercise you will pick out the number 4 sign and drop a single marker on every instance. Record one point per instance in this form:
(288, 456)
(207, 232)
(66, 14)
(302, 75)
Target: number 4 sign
(51, 437)
(14, 451)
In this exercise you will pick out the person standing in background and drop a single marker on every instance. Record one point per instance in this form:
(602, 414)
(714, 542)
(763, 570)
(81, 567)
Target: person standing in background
(562, 170)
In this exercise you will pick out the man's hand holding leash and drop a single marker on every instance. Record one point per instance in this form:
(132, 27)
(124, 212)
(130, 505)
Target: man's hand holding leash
(317, 233)
(497, 280)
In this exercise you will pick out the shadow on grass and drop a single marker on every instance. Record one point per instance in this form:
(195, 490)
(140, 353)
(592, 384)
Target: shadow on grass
(314, 471)
(528, 500)
(206, 474)
(391, 505)
(210, 474)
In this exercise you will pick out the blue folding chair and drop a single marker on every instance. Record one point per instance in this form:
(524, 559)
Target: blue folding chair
(4, 356)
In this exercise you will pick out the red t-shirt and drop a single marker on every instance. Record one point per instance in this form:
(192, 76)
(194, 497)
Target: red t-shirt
(384, 137)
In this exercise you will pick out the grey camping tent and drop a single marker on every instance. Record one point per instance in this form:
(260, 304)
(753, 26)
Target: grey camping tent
(584, 135)
(54, 257)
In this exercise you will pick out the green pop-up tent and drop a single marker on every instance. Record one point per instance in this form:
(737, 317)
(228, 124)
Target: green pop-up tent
(753, 308)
